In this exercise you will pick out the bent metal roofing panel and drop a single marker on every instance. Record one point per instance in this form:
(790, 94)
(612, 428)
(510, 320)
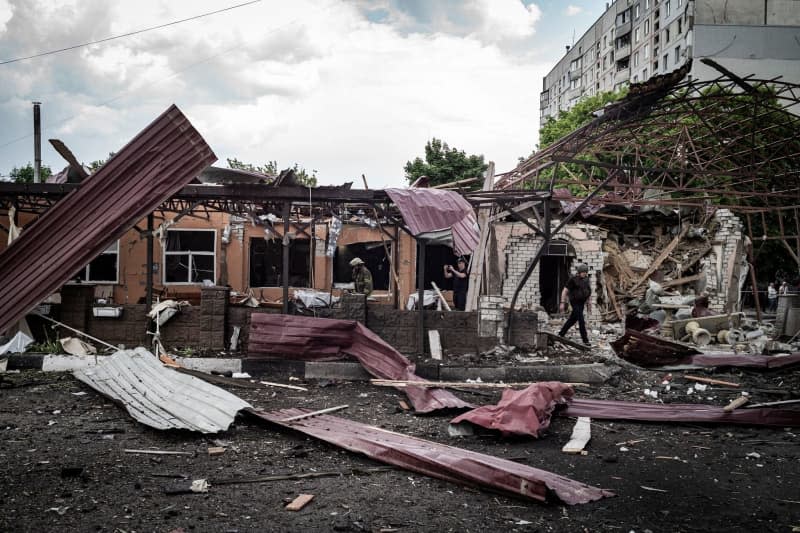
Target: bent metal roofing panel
(153, 166)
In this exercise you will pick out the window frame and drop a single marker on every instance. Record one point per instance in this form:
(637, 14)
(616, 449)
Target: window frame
(165, 253)
(87, 269)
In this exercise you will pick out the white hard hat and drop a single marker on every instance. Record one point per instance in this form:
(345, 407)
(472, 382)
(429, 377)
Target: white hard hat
(356, 261)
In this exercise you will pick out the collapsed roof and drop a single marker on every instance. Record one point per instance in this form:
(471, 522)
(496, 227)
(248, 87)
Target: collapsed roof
(731, 140)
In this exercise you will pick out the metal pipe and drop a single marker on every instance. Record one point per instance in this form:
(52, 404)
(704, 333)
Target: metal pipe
(37, 142)
(287, 209)
(421, 294)
(149, 297)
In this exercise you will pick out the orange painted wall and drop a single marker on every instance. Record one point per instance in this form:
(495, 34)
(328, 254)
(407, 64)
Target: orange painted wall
(132, 285)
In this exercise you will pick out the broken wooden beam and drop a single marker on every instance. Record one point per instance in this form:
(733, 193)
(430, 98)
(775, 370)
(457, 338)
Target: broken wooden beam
(711, 381)
(316, 413)
(300, 502)
(736, 403)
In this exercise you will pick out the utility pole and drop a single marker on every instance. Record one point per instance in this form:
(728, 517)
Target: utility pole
(37, 143)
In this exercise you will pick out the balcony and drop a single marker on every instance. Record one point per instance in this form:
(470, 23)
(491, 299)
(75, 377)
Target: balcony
(622, 29)
(622, 75)
(623, 51)
(574, 74)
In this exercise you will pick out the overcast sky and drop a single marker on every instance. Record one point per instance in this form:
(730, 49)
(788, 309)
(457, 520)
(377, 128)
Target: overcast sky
(344, 87)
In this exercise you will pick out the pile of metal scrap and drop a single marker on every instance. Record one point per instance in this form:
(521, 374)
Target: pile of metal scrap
(164, 157)
(649, 351)
(162, 398)
(430, 458)
(319, 339)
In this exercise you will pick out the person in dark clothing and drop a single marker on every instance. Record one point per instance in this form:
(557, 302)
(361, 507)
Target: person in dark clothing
(460, 282)
(578, 292)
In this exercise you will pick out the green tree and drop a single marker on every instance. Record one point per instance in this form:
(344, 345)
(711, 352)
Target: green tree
(270, 168)
(95, 165)
(25, 174)
(443, 164)
(575, 117)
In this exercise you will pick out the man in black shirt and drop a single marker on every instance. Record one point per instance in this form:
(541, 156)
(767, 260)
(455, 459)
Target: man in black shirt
(460, 282)
(578, 291)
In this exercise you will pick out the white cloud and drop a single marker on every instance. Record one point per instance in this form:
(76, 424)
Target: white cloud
(571, 10)
(506, 19)
(344, 88)
(5, 15)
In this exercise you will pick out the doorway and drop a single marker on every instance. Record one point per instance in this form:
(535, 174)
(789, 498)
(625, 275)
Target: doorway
(554, 269)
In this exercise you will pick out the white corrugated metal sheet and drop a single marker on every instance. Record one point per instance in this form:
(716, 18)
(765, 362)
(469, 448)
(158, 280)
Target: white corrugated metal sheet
(160, 397)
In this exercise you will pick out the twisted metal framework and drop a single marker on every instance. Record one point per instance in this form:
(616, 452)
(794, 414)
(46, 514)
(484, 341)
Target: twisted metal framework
(731, 141)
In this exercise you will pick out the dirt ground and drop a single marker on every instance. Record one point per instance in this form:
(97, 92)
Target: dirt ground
(65, 469)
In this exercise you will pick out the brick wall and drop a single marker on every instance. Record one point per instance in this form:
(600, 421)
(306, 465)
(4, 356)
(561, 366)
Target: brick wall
(715, 264)
(520, 250)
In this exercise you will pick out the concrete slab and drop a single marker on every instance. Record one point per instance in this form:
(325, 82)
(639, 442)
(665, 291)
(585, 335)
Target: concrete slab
(589, 373)
(463, 373)
(210, 364)
(336, 370)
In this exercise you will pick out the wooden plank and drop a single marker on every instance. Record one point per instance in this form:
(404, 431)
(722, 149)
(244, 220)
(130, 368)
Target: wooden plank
(435, 344)
(661, 257)
(157, 452)
(300, 502)
(477, 259)
(568, 342)
(711, 381)
(681, 281)
(441, 297)
(216, 450)
(315, 413)
(581, 434)
(609, 286)
(736, 403)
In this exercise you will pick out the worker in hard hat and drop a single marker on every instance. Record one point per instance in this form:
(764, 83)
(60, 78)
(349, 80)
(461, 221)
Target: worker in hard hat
(362, 277)
(578, 292)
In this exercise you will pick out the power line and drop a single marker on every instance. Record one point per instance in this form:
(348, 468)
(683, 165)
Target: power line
(162, 80)
(7, 61)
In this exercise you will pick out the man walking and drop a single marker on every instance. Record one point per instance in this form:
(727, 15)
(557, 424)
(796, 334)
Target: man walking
(577, 291)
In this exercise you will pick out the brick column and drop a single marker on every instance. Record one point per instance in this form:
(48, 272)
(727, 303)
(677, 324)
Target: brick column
(213, 317)
(76, 305)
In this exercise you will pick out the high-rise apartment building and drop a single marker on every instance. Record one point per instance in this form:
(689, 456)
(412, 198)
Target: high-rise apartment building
(637, 39)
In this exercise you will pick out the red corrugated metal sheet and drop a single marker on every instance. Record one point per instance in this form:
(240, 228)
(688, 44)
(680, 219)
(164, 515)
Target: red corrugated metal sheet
(521, 412)
(308, 338)
(438, 460)
(164, 157)
(428, 210)
(672, 412)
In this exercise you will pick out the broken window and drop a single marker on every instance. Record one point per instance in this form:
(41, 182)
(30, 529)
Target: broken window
(266, 262)
(190, 256)
(374, 257)
(103, 269)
